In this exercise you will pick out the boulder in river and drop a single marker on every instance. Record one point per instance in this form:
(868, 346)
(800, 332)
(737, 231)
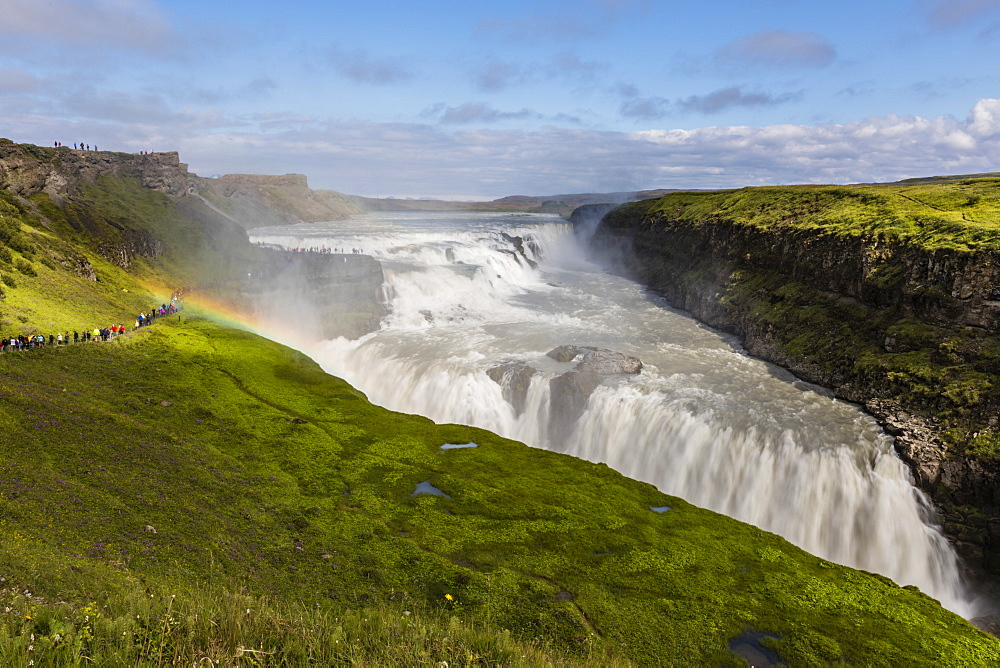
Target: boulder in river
(569, 394)
(570, 391)
(607, 362)
(514, 378)
(568, 353)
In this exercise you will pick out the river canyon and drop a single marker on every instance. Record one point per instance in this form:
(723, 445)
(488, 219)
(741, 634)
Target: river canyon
(475, 302)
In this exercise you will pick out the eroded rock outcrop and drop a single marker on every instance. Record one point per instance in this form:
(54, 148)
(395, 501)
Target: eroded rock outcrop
(569, 391)
(27, 170)
(518, 252)
(514, 378)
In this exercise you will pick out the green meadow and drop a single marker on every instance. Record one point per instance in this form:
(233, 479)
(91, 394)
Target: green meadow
(960, 214)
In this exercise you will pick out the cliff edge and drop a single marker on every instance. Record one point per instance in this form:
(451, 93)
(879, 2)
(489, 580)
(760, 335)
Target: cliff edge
(889, 295)
(27, 170)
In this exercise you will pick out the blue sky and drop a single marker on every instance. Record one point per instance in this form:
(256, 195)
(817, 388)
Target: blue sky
(476, 100)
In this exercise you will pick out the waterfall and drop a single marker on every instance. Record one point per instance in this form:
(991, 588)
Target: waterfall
(470, 293)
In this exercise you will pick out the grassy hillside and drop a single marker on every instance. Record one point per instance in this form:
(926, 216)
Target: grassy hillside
(201, 461)
(963, 214)
(53, 283)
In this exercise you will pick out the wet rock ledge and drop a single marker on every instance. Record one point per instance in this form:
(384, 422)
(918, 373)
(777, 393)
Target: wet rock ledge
(570, 390)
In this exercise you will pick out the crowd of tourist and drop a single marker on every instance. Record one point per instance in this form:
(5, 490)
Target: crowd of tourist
(87, 147)
(322, 250)
(29, 341)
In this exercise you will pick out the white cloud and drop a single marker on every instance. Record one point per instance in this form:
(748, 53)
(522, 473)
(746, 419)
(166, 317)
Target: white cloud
(984, 120)
(875, 149)
(945, 14)
(415, 160)
(780, 49)
(134, 24)
(358, 66)
(466, 158)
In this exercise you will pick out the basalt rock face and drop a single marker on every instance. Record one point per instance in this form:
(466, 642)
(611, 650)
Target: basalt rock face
(62, 174)
(518, 252)
(571, 390)
(27, 170)
(861, 315)
(514, 379)
(941, 286)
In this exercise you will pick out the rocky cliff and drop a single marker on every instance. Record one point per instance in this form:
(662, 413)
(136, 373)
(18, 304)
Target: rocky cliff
(907, 324)
(27, 170)
(147, 213)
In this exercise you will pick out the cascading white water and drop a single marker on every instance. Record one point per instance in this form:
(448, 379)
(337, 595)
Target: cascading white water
(702, 421)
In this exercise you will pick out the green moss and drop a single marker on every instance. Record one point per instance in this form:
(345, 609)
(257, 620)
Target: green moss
(887, 276)
(25, 268)
(42, 153)
(961, 216)
(985, 446)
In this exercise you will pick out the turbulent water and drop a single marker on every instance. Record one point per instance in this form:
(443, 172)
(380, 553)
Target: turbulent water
(702, 421)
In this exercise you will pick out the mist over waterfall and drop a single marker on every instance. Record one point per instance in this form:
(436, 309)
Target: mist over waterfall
(476, 301)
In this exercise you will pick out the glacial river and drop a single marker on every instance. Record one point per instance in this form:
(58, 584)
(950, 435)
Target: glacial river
(703, 420)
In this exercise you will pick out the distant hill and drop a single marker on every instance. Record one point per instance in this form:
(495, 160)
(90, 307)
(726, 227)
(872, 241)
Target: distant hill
(255, 200)
(948, 179)
(562, 205)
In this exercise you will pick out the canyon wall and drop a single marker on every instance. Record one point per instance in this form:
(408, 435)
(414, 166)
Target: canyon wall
(912, 333)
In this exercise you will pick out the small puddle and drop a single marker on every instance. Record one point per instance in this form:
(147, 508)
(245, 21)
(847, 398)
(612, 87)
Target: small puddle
(747, 645)
(458, 446)
(660, 509)
(427, 488)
